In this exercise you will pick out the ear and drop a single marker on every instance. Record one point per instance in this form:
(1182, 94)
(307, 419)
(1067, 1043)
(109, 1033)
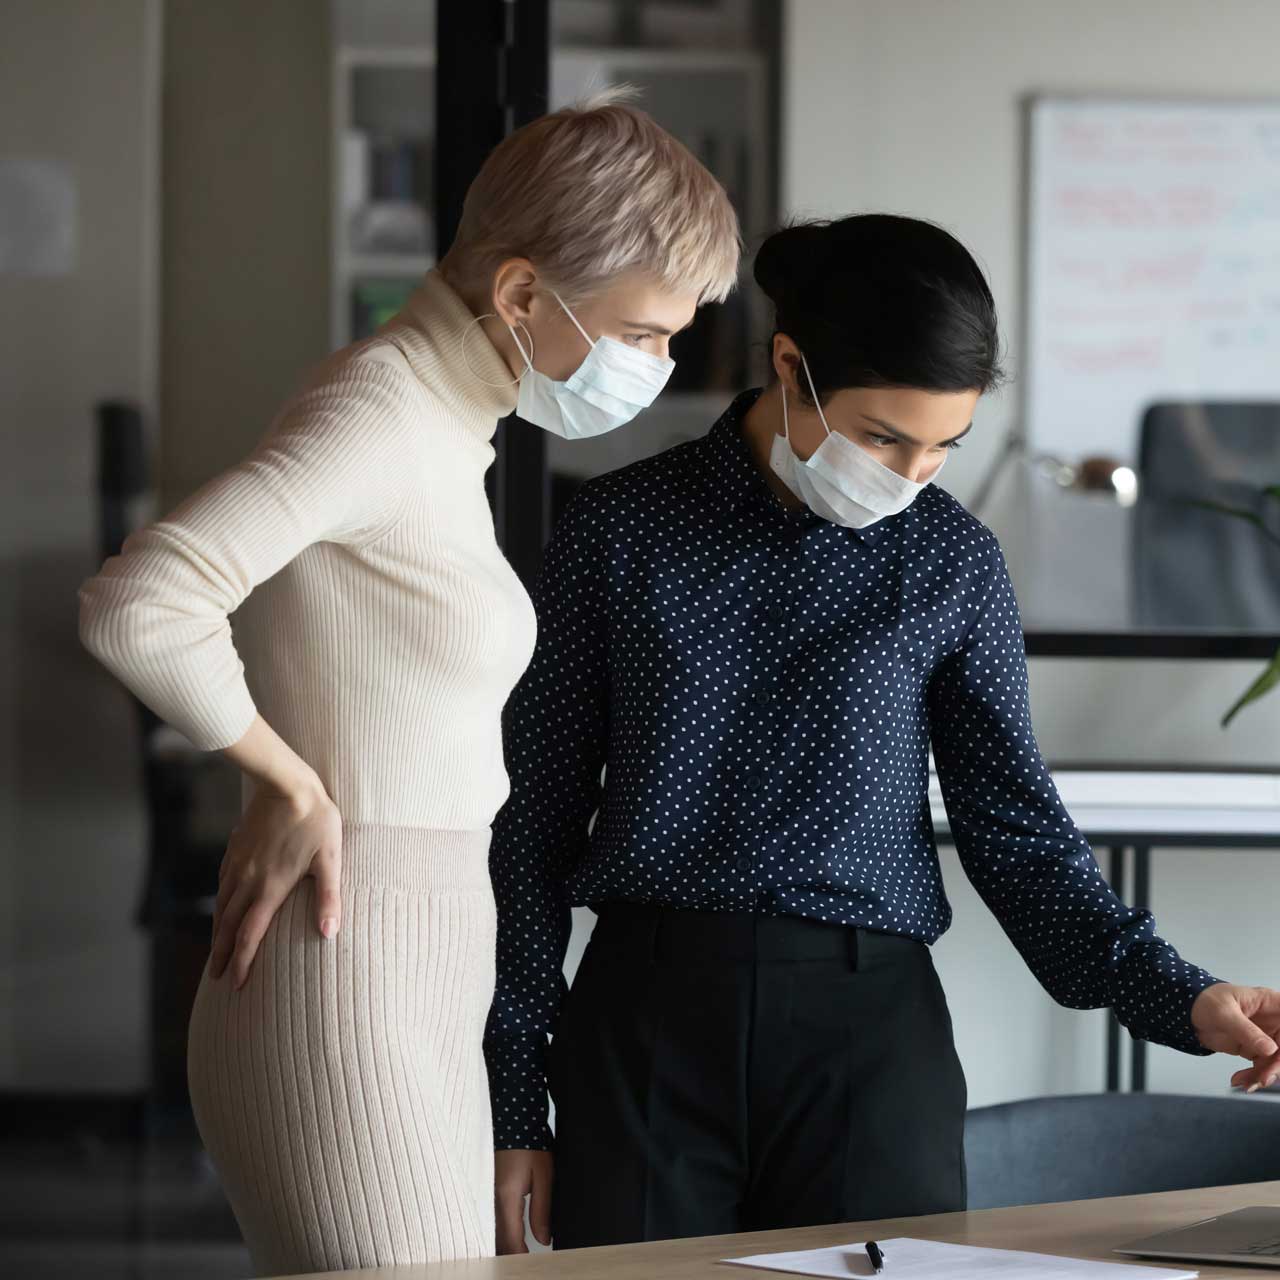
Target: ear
(513, 282)
(786, 363)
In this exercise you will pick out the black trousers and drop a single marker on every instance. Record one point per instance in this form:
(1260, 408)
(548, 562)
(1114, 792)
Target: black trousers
(718, 1073)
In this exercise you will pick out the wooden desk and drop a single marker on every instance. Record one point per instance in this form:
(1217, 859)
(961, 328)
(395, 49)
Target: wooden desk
(1079, 1228)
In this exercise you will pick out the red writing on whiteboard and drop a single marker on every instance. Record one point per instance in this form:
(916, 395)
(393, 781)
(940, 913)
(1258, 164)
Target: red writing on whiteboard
(1125, 206)
(1141, 353)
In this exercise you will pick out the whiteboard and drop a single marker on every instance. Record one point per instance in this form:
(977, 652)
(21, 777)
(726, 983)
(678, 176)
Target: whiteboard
(1152, 264)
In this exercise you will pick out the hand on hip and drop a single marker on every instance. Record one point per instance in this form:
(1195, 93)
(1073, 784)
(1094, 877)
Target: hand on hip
(280, 839)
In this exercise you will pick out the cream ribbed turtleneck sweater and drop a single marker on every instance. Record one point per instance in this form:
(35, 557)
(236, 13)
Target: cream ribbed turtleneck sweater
(385, 629)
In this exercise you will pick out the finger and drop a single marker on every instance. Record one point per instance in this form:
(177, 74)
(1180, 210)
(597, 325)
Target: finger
(253, 929)
(1249, 1039)
(1250, 1080)
(540, 1203)
(1259, 1076)
(227, 884)
(1266, 1005)
(224, 939)
(232, 871)
(1245, 1077)
(225, 864)
(326, 867)
(509, 1206)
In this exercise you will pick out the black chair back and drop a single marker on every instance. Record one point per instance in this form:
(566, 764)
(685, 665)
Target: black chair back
(1117, 1144)
(1195, 568)
(123, 471)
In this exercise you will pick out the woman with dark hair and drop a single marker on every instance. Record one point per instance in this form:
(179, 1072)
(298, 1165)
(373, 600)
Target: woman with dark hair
(758, 637)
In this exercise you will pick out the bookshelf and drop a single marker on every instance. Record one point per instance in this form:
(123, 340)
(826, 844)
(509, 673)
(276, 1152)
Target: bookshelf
(383, 238)
(715, 89)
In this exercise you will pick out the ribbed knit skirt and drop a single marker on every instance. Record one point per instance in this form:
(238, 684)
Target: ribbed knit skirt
(342, 1092)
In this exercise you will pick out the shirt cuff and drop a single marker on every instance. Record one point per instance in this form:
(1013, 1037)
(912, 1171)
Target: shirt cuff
(1156, 1005)
(518, 1092)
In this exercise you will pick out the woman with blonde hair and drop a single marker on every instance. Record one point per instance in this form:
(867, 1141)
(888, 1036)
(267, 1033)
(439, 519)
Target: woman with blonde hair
(335, 1053)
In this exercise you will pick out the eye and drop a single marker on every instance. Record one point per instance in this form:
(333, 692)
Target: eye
(953, 444)
(636, 338)
(882, 442)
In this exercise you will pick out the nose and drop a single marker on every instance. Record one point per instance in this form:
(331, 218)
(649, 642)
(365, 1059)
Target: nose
(918, 465)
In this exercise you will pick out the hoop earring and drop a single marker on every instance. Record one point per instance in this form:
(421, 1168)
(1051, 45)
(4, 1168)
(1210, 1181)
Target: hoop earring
(528, 359)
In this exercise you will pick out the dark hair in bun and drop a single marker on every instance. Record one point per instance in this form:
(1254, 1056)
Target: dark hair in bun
(877, 300)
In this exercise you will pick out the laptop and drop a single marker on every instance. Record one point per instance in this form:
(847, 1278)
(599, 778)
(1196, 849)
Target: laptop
(1250, 1236)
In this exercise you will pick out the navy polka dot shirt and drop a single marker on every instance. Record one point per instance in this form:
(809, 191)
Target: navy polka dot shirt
(761, 689)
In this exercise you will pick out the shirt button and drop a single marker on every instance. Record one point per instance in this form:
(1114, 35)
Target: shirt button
(776, 612)
(744, 863)
(761, 697)
(754, 782)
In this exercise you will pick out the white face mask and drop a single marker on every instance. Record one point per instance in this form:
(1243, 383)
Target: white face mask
(606, 390)
(841, 482)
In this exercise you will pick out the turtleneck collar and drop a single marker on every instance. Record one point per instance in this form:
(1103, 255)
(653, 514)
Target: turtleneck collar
(430, 330)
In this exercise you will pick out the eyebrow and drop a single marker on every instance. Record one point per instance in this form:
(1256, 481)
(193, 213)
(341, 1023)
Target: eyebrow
(654, 328)
(889, 429)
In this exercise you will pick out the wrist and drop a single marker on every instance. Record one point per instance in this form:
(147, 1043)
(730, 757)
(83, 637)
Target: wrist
(1198, 1001)
(297, 783)
(305, 790)
(275, 767)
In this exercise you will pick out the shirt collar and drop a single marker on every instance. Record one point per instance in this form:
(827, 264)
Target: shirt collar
(733, 477)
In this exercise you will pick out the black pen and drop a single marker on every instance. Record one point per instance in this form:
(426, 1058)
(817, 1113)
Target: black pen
(877, 1258)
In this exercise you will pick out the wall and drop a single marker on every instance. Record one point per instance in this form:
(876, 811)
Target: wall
(912, 106)
(71, 962)
(245, 244)
(203, 300)
(246, 223)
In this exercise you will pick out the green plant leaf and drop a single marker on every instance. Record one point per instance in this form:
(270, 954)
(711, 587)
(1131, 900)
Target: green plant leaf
(1266, 681)
(1239, 513)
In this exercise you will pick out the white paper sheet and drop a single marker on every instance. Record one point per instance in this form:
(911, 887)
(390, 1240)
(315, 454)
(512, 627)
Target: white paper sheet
(907, 1259)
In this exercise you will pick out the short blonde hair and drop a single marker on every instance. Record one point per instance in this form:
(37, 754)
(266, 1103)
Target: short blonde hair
(593, 191)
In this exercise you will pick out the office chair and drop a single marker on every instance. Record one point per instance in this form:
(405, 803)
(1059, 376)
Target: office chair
(1116, 1144)
(1195, 568)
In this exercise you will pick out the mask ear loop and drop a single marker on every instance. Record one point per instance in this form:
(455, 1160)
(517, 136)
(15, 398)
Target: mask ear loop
(528, 359)
(590, 342)
(813, 391)
(786, 425)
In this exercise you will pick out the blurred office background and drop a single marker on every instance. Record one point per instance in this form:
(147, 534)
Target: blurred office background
(197, 201)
